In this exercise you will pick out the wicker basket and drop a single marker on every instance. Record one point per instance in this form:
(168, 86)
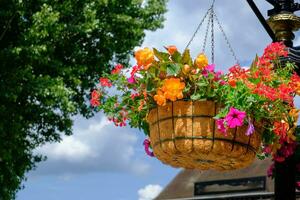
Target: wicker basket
(184, 134)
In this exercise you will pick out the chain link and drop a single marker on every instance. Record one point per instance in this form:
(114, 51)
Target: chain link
(211, 24)
(226, 39)
(212, 37)
(206, 32)
(197, 29)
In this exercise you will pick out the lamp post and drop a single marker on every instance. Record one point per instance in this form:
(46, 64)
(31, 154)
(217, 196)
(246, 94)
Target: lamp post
(280, 26)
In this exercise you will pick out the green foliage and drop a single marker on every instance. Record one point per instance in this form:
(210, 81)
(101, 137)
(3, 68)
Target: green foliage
(51, 53)
(136, 98)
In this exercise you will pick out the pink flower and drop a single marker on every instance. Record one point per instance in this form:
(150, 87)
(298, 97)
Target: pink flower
(218, 75)
(221, 126)
(131, 80)
(208, 69)
(146, 144)
(267, 150)
(235, 118)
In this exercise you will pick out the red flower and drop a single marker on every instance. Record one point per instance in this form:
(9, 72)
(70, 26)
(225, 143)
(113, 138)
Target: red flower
(105, 82)
(285, 93)
(95, 95)
(281, 128)
(265, 91)
(135, 69)
(275, 50)
(132, 96)
(117, 69)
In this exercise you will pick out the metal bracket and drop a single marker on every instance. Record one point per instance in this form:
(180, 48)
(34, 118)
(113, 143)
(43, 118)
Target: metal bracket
(262, 19)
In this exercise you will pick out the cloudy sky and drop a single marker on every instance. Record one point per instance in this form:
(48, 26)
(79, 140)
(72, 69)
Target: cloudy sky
(101, 161)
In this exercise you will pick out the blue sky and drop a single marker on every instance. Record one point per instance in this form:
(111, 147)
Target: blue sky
(101, 161)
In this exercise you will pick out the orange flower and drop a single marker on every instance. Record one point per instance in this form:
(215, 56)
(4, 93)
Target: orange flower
(142, 103)
(172, 89)
(171, 49)
(160, 98)
(201, 61)
(232, 82)
(144, 57)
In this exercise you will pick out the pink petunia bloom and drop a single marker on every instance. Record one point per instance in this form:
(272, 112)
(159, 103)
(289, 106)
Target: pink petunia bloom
(235, 117)
(221, 126)
(131, 80)
(208, 69)
(146, 144)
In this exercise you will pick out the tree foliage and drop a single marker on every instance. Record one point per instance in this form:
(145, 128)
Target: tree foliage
(51, 54)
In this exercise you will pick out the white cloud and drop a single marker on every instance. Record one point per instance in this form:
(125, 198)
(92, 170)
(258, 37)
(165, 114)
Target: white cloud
(149, 192)
(96, 146)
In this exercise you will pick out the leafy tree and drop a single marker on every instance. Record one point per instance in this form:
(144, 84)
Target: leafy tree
(52, 53)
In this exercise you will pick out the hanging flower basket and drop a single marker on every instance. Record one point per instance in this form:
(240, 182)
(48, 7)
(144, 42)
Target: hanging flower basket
(184, 134)
(176, 101)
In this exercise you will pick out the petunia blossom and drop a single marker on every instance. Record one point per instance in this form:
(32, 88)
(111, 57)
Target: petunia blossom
(146, 144)
(208, 69)
(131, 80)
(235, 117)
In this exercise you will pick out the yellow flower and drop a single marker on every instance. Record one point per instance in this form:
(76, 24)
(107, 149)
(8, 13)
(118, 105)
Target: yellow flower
(172, 89)
(160, 98)
(201, 61)
(144, 57)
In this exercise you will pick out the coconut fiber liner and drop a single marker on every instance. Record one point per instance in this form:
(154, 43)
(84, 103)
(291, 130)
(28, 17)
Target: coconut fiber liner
(184, 134)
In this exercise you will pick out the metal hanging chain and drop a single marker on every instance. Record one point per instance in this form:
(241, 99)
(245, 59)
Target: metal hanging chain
(206, 32)
(226, 39)
(199, 25)
(212, 37)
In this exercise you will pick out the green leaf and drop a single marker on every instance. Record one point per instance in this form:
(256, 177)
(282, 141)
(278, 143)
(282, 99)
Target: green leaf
(161, 55)
(186, 58)
(173, 69)
(196, 96)
(253, 64)
(176, 57)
